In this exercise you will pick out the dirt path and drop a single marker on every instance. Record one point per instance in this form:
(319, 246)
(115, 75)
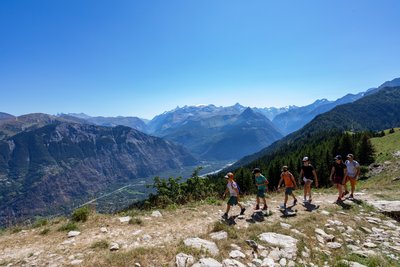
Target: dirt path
(30, 248)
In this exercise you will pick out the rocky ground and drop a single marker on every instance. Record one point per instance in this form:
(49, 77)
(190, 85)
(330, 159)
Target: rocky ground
(355, 234)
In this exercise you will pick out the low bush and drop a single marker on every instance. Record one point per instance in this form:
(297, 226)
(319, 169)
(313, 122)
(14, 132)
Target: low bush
(81, 214)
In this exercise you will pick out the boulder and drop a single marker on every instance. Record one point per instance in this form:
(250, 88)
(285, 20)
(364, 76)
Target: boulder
(124, 219)
(103, 230)
(234, 254)
(327, 237)
(219, 235)
(73, 233)
(334, 245)
(76, 262)
(156, 214)
(202, 244)
(184, 260)
(232, 263)
(287, 243)
(267, 262)
(114, 246)
(207, 262)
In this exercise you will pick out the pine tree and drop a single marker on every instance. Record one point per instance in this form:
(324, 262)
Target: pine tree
(365, 151)
(391, 131)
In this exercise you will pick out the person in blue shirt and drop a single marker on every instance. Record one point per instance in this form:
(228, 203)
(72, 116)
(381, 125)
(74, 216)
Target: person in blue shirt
(261, 183)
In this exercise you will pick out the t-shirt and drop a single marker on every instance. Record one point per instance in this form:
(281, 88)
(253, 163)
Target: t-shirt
(232, 186)
(261, 180)
(352, 167)
(287, 179)
(339, 169)
(308, 171)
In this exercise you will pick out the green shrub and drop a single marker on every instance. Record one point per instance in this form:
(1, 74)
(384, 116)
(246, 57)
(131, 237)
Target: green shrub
(16, 230)
(81, 214)
(45, 231)
(70, 226)
(102, 244)
(136, 220)
(40, 222)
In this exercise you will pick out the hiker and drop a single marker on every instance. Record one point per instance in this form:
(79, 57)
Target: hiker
(338, 174)
(233, 190)
(308, 175)
(290, 184)
(261, 183)
(353, 172)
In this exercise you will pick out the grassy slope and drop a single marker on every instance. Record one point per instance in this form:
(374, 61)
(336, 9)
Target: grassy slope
(382, 184)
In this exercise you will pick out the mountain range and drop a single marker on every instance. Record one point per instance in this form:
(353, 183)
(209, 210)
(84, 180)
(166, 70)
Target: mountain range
(50, 163)
(376, 111)
(45, 170)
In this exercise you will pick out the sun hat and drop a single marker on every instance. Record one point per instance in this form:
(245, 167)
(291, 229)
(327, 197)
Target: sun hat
(228, 175)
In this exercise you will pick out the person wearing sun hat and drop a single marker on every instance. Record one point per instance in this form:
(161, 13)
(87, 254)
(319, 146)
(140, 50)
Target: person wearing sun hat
(353, 172)
(233, 190)
(308, 175)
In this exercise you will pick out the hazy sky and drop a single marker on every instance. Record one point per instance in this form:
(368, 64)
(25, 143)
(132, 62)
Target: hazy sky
(140, 58)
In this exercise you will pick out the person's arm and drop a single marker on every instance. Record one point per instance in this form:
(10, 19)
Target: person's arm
(280, 182)
(344, 175)
(358, 171)
(315, 178)
(293, 180)
(332, 172)
(266, 181)
(301, 175)
(226, 191)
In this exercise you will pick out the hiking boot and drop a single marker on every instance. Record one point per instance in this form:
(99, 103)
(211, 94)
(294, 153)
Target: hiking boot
(338, 200)
(242, 211)
(265, 207)
(346, 192)
(257, 207)
(309, 201)
(294, 202)
(351, 196)
(225, 216)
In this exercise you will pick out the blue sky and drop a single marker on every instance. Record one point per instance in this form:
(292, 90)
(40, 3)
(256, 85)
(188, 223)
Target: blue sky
(140, 58)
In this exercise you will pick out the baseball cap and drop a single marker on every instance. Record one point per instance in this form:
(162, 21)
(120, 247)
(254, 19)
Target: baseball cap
(338, 157)
(256, 170)
(350, 156)
(284, 168)
(305, 159)
(228, 175)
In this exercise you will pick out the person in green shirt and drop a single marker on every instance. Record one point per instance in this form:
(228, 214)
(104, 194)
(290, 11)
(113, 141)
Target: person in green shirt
(261, 183)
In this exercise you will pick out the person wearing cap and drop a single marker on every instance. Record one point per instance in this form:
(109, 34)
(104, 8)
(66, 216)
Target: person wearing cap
(353, 172)
(288, 179)
(261, 183)
(338, 174)
(233, 190)
(308, 175)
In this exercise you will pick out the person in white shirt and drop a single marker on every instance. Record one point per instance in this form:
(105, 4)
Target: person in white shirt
(353, 172)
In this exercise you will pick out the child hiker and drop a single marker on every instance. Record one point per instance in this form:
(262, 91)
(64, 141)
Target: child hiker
(232, 188)
(290, 185)
(261, 183)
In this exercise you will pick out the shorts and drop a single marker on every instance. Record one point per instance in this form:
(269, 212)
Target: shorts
(352, 180)
(288, 191)
(308, 180)
(338, 180)
(233, 201)
(261, 193)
